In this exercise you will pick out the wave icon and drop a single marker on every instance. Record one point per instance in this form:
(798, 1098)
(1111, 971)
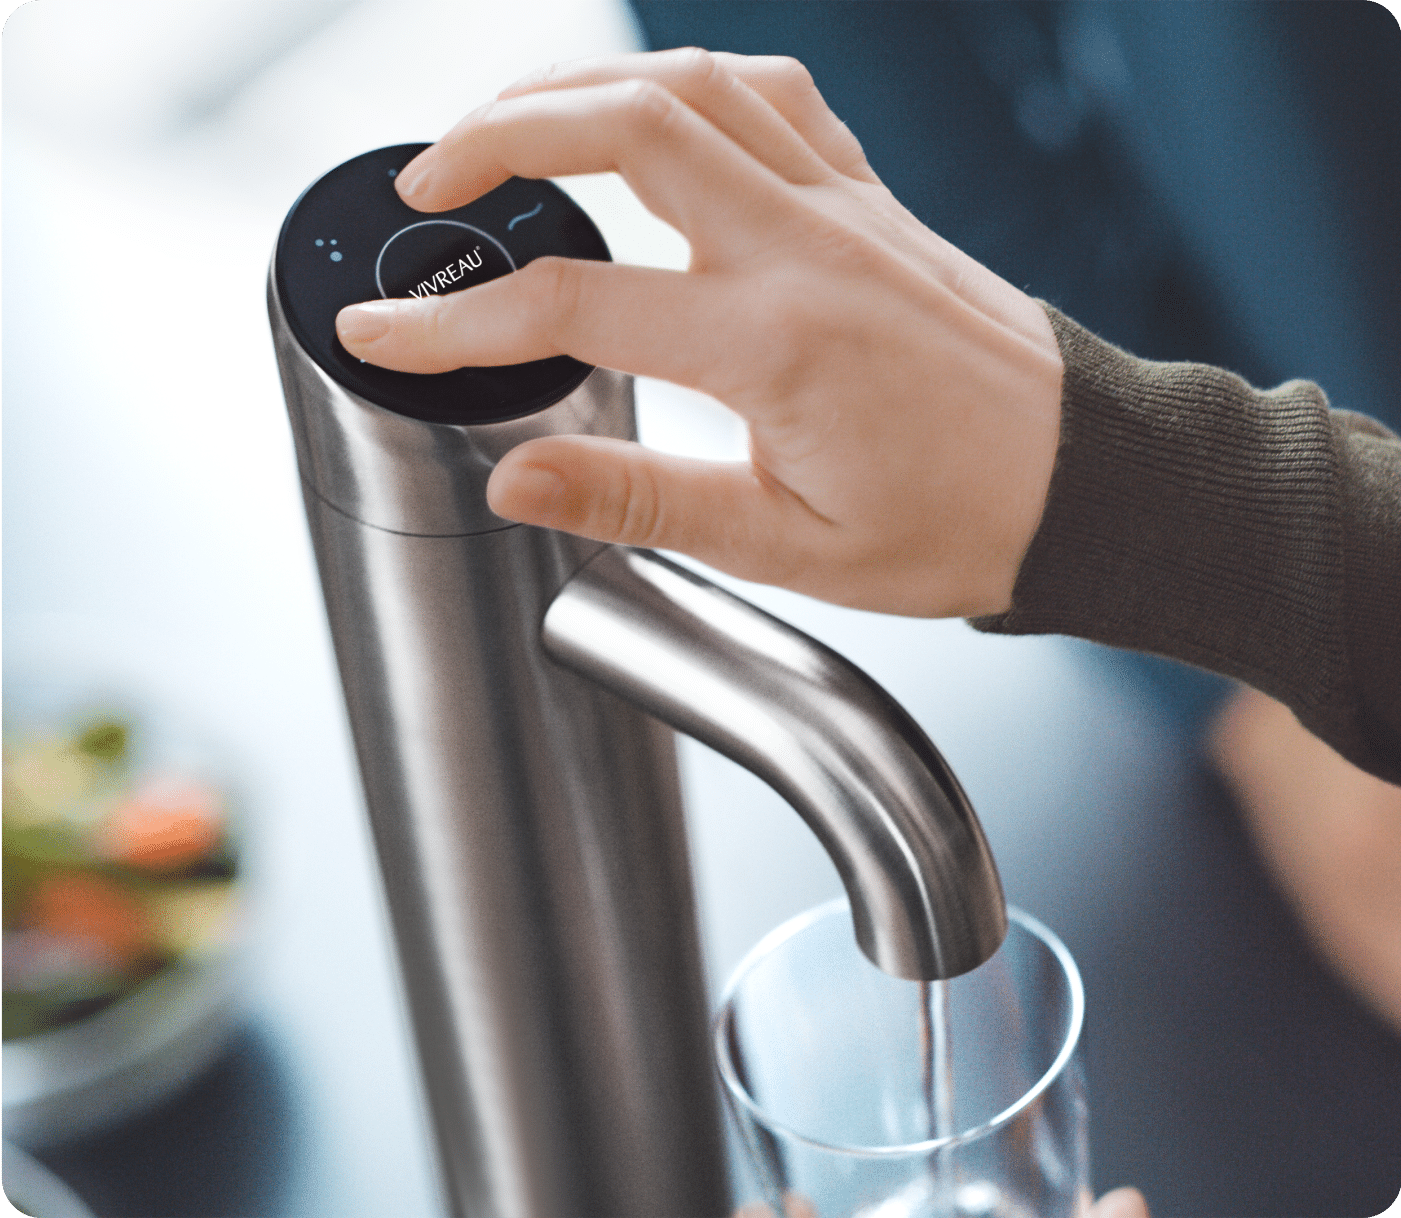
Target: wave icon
(525, 215)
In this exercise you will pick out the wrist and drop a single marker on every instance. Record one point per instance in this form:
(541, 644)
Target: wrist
(1023, 453)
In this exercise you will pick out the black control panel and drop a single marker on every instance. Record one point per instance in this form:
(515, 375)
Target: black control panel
(351, 238)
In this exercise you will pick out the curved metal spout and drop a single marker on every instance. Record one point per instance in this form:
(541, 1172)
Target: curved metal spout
(925, 895)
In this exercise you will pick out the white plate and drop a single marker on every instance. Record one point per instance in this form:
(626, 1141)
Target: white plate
(124, 1060)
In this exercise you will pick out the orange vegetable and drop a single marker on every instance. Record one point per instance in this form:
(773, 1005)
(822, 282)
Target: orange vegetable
(81, 905)
(163, 826)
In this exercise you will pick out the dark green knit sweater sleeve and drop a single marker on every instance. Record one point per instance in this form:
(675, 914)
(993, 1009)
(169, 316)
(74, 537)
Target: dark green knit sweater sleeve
(1253, 533)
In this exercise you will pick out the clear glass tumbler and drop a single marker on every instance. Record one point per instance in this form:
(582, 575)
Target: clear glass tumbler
(858, 1095)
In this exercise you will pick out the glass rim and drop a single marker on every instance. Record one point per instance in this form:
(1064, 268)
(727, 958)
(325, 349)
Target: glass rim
(803, 921)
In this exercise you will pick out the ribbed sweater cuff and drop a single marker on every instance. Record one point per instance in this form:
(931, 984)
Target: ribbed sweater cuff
(1195, 517)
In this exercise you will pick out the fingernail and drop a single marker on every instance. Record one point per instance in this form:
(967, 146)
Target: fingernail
(412, 180)
(363, 323)
(537, 494)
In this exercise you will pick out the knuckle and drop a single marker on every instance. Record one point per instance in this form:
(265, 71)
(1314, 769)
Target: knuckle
(794, 76)
(795, 72)
(809, 314)
(648, 107)
(644, 523)
(439, 329)
(554, 289)
(697, 68)
(794, 326)
(631, 514)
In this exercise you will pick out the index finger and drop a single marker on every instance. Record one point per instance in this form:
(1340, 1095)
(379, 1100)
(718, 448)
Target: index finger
(683, 169)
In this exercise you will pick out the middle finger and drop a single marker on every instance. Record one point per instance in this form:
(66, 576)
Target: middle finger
(706, 83)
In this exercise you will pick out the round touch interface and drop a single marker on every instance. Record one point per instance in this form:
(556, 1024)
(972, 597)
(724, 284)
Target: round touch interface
(351, 238)
(437, 256)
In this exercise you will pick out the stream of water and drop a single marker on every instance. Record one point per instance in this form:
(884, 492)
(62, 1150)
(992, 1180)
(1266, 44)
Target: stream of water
(936, 1047)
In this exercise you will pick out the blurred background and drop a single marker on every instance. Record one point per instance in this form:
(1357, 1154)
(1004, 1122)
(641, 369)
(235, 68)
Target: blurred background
(1192, 180)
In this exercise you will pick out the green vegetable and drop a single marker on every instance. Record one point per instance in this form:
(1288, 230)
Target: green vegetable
(106, 739)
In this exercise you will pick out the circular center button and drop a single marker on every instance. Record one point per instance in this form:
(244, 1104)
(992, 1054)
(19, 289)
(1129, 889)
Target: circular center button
(434, 257)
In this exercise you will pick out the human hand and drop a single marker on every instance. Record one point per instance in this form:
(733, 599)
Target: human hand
(1330, 834)
(903, 402)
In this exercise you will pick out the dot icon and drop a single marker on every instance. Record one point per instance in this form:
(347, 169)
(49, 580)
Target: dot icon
(335, 255)
(393, 173)
(319, 241)
(333, 241)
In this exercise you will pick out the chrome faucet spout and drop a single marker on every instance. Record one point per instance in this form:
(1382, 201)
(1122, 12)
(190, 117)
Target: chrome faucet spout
(925, 894)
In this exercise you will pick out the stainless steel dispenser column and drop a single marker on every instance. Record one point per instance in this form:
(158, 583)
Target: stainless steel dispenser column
(528, 824)
(529, 830)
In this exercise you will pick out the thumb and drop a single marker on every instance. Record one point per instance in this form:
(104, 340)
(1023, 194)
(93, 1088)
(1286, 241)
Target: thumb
(612, 490)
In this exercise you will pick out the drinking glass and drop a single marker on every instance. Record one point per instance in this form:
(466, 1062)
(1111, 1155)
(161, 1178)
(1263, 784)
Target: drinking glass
(859, 1095)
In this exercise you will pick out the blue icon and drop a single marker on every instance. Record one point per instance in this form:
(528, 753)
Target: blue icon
(525, 215)
(393, 173)
(336, 255)
(319, 241)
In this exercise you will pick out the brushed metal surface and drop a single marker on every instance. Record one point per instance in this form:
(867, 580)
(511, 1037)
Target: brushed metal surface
(529, 830)
(925, 894)
(527, 824)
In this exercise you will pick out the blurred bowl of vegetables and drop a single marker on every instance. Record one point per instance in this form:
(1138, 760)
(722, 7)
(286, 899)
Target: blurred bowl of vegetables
(122, 912)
